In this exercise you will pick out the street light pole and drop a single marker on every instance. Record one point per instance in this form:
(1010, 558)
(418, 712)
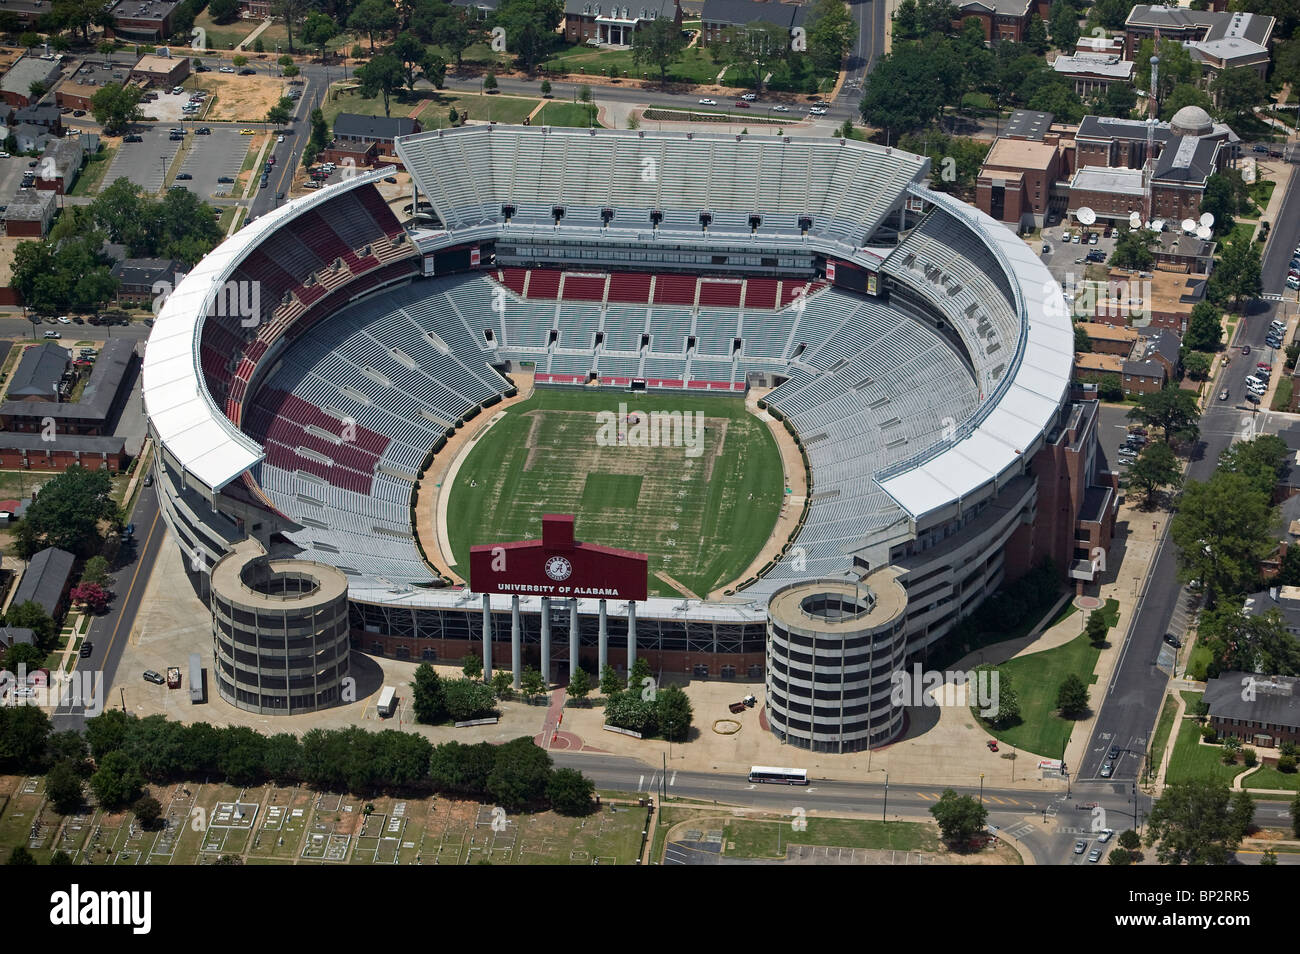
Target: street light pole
(981, 788)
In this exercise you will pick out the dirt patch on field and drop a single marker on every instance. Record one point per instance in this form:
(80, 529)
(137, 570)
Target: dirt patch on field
(243, 98)
(715, 429)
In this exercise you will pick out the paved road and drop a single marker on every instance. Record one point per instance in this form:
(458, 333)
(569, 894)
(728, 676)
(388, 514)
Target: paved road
(1016, 812)
(1133, 700)
(110, 632)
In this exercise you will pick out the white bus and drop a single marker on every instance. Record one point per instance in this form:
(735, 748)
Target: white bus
(387, 702)
(779, 776)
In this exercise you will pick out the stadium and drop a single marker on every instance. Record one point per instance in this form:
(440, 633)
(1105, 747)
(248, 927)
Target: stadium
(911, 350)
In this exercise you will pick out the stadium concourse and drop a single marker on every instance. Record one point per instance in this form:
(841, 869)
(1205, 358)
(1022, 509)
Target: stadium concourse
(916, 348)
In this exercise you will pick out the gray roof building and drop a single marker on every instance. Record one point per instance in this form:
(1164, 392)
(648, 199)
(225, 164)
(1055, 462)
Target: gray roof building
(16, 636)
(61, 160)
(1270, 701)
(145, 272)
(38, 373)
(30, 205)
(376, 128)
(1028, 124)
(45, 580)
(725, 13)
(102, 390)
(26, 71)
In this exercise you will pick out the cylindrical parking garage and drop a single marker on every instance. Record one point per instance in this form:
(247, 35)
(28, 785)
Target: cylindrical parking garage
(832, 650)
(279, 632)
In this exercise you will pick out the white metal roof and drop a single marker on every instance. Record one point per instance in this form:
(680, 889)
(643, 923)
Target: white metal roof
(1025, 406)
(181, 411)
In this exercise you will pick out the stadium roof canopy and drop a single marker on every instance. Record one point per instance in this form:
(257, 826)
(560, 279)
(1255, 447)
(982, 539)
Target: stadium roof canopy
(185, 420)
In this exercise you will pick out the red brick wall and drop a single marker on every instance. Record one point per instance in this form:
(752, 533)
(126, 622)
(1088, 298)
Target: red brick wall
(54, 460)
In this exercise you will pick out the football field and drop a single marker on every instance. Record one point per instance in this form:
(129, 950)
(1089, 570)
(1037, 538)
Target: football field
(694, 482)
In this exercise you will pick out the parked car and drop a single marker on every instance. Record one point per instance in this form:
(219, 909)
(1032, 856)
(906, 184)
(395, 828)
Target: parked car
(184, 175)
(148, 481)
(741, 104)
(279, 139)
(1293, 282)
(52, 334)
(1079, 846)
(749, 97)
(1094, 856)
(133, 138)
(245, 132)
(1223, 395)
(225, 179)
(708, 102)
(781, 108)
(1173, 641)
(1245, 349)
(1065, 238)
(203, 131)
(226, 69)
(1074, 239)
(1253, 399)
(247, 72)
(1106, 835)
(1092, 238)
(155, 678)
(1107, 770)
(87, 647)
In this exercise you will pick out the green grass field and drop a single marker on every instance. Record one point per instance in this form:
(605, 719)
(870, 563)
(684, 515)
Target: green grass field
(701, 518)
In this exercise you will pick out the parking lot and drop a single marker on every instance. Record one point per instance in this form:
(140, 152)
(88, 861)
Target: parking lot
(11, 175)
(167, 108)
(145, 163)
(1112, 431)
(211, 157)
(1068, 263)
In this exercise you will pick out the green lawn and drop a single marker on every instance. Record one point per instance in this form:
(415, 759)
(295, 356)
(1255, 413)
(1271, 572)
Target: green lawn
(693, 66)
(1270, 778)
(1282, 396)
(564, 114)
(1190, 759)
(20, 483)
(92, 177)
(1163, 728)
(1036, 679)
(1261, 191)
(1241, 232)
(223, 36)
(495, 108)
(704, 506)
(1200, 658)
(758, 839)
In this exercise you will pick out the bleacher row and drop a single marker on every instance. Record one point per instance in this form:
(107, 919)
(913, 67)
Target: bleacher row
(964, 279)
(641, 288)
(348, 243)
(469, 174)
(349, 415)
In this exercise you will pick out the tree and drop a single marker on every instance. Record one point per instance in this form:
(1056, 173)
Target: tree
(23, 654)
(63, 788)
(503, 684)
(908, 89)
(90, 595)
(410, 52)
(531, 682)
(530, 27)
(468, 699)
(960, 817)
(1248, 642)
(1264, 459)
(1072, 697)
(1173, 410)
(610, 681)
(223, 11)
(428, 700)
(382, 76)
(1155, 468)
(67, 513)
(31, 615)
(402, 758)
(371, 17)
(1184, 94)
(1196, 364)
(579, 685)
(919, 19)
(627, 710)
(472, 666)
(290, 11)
(1096, 629)
(318, 29)
(115, 106)
(1225, 196)
(570, 792)
(1238, 91)
(107, 732)
(60, 857)
(519, 775)
(657, 43)
(1133, 250)
(831, 31)
(755, 49)
(19, 855)
(1204, 327)
(1238, 276)
(1036, 35)
(1295, 816)
(545, 88)
(320, 130)
(1222, 531)
(490, 84)
(1064, 23)
(147, 809)
(239, 61)
(448, 28)
(1008, 712)
(280, 113)
(673, 713)
(1193, 823)
(1176, 66)
(282, 757)
(117, 781)
(461, 769)
(96, 571)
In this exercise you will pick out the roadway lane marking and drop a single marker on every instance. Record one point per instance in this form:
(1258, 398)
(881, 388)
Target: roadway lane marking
(673, 781)
(126, 600)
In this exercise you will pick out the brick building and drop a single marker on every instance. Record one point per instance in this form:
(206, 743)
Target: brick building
(32, 452)
(30, 213)
(138, 278)
(101, 401)
(1109, 339)
(1217, 40)
(59, 166)
(1091, 74)
(16, 84)
(614, 24)
(39, 373)
(356, 133)
(143, 20)
(1002, 19)
(46, 582)
(161, 70)
(1021, 179)
(1264, 717)
(722, 15)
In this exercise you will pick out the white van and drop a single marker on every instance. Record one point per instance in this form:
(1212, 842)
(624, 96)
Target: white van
(1255, 384)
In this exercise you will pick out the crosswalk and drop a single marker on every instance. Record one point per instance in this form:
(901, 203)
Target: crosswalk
(935, 796)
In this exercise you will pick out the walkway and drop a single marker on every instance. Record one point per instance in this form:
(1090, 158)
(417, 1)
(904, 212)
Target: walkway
(246, 43)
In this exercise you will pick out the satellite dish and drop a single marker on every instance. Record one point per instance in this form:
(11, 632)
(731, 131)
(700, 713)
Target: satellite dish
(1207, 219)
(1204, 232)
(1158, 225)
(1135, 220)
(1086, 216)
(1189, 226)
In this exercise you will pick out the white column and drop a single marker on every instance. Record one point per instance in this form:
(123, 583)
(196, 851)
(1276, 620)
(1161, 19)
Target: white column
(574, 641)
(631, 634)
(603, 642)
(546, 641)
(515, 638)
(487, 638)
